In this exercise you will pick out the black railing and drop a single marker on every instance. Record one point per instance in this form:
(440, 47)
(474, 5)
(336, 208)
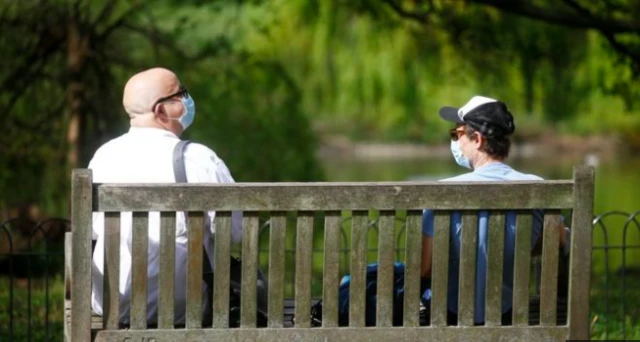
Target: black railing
(32, 264)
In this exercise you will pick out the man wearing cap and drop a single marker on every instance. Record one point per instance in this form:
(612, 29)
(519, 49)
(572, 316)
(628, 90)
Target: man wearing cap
(480, 142)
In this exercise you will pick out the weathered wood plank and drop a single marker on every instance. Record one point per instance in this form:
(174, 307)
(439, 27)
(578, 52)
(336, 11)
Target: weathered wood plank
(358, 268)
(248, 302)
(81, 223)
(304, 249)
(394, 334)
(580, 262)
(68, 245)
(412, 269)
(331, 265)
(522, 265)
(467, 284)
(222, 269)
(334, 196)
(386, 251)
(495, 265)
(195, 244)
(166, 278)
(440, 268)
(111, 280)
(277, 236)
(139, 246)
(549, 276)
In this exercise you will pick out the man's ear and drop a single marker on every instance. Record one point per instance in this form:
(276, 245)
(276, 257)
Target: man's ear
(478, 140)
(160, 113)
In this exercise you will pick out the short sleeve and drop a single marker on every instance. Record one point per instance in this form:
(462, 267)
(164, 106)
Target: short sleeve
(427, 222)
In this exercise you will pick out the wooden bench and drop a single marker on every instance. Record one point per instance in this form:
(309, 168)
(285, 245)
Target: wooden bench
(388, 202)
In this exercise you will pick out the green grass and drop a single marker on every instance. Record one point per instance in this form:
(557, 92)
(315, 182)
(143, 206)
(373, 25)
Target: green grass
(614, 318)
(36, 327)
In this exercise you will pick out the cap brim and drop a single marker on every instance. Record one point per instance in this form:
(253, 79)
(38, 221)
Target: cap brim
(450, 114)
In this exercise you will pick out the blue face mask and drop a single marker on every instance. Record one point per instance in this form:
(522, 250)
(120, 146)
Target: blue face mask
(458, 156)
(189, 112)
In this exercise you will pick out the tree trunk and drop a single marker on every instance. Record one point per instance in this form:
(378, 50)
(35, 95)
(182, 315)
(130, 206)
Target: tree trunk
(77, 53)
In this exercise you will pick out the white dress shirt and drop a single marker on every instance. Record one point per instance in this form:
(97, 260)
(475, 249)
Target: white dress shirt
(144, 155)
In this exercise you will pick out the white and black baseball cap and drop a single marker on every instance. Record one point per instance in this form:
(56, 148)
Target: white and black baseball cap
(486, 115)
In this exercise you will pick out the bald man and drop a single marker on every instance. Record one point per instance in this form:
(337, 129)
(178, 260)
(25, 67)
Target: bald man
(160, 109)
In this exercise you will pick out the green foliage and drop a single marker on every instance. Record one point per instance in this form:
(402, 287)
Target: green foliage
(269, 76)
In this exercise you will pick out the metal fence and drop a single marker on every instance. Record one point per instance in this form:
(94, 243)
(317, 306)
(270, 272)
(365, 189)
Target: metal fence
(32, 264)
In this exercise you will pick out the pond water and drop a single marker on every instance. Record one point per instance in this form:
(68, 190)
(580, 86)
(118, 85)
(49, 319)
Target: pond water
(617, 187)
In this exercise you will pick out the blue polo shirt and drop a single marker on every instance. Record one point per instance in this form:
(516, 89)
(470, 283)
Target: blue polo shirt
(490, 172)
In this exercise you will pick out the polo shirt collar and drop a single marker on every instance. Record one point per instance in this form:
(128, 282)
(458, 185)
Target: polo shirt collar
(152, 131)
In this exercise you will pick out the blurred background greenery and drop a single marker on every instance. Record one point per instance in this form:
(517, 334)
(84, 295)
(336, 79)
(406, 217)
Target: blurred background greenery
(287, 90)
(274, 80)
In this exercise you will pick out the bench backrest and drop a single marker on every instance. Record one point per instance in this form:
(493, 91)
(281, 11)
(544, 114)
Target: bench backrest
(392, 200)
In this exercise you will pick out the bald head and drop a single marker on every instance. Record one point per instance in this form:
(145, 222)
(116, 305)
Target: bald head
(145, 88)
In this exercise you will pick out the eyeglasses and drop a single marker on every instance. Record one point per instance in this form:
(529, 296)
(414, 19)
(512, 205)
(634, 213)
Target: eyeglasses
(182, 93)
(455, 134)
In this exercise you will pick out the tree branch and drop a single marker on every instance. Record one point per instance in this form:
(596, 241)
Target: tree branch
(561, 16)
(421, 17)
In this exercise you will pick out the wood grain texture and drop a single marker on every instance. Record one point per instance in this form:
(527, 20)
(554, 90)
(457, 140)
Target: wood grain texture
(195, 238)
(334, 196)
(440, 268)
(386, 251)
(549, 276)
(166, 278)
(111, 296)
(331, 275)
(222, 270)
(304, 249)
(467, 283)
(522, 268)
(248, 297)
(495, 266)
(139, 244)
(277, 239)
(412, 269)
(358, 270)
(580, 262)
(369, 334)
(81, 226)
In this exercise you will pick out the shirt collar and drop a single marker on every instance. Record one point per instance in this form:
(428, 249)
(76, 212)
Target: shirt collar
(492, 166)
(152, 131)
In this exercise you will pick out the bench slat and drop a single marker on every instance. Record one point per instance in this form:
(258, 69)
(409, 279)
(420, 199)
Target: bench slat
(166, 277)
(277, 239)
(335, 196)
(495, 266)
(195, 237)
(331, 275)
(111, 300)
(344, 334)
(222, 267)
(467, 284)
(358, 269)
(304, 249)
(549, 276)
(580, 261)
(81, 216)
(440, 268)
(412, 270)
(139, 244)
(248, 303)
(522, 265)
(386, 251)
